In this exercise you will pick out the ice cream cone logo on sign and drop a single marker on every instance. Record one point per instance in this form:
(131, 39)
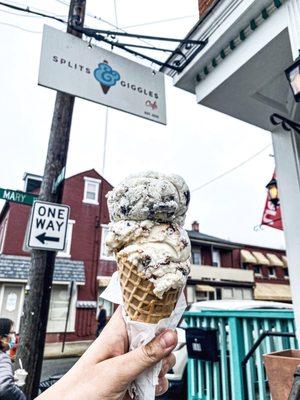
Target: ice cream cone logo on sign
(106, 76)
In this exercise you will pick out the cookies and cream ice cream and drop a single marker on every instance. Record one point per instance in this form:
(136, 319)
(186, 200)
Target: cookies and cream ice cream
(161, 251)
(147, 211)
(150, 196)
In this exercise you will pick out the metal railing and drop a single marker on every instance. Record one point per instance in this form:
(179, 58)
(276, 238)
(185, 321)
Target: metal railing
(237, 333)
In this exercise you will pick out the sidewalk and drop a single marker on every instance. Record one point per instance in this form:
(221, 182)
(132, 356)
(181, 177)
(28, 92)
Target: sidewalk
(72, 349)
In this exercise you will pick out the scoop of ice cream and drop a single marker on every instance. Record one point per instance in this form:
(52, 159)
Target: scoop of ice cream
(150, 196)
(161, 251)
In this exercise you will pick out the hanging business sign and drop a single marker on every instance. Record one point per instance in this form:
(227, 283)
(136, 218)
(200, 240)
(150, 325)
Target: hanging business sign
(272, 215)
(68, 64)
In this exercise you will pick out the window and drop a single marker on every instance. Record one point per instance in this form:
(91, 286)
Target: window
(272, 272)
(59, 307)
(216, 258)
(196, 255)
(227, 293)
(91, 190)
(104, 250)
(247, 294)
(67, 251)
(107, 305)
(256, 269)
(286, 272)
(11, 302)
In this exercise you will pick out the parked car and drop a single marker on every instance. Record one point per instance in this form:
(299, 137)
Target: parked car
(44, 385)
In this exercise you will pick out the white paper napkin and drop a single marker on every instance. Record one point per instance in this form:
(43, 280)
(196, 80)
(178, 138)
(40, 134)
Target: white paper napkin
(141, 333)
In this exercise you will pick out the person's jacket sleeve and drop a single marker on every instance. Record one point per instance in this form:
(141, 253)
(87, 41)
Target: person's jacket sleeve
(8, 389)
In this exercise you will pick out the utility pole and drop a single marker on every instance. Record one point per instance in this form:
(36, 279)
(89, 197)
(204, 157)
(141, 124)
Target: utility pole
(36, 305)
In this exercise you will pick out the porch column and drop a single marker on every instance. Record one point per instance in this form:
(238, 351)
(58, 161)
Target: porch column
(287, 149)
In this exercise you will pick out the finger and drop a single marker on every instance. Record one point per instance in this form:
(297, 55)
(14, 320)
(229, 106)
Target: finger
(167, 364)
(162, 387)
(147, 355)
(112, 342)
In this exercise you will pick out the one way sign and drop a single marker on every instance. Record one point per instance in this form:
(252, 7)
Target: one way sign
(48, 226)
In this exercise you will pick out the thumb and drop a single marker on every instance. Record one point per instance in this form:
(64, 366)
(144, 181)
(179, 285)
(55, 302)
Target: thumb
(148, 355)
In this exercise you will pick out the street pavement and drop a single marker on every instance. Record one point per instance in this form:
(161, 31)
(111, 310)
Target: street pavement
(57, 366)
(62, 365)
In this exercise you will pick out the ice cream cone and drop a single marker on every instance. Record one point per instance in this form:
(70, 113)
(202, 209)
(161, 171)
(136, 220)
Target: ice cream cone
(140, 303)
(105, 88)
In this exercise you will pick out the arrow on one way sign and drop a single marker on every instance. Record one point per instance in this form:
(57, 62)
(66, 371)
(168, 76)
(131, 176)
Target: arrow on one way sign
(48, 226)
(42, 238)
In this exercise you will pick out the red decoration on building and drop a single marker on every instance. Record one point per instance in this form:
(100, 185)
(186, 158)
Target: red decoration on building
(272, 214)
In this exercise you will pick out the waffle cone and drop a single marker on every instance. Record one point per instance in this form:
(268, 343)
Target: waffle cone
(140, 303)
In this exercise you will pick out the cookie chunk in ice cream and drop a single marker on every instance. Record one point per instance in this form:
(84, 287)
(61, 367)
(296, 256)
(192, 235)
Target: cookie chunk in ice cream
(161, 252)
(152, 249)
(150, 196)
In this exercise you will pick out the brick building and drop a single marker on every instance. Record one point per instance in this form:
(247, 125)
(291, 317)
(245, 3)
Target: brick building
(226, 270)
(270, 270)
(84, 260)
(220, 269)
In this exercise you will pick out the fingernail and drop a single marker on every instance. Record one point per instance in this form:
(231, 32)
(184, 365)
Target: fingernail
(167, 339)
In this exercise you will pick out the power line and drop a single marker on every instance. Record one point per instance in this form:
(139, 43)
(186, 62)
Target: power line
(98, 35)
(28, 15)
(231, 170)
(19, 27)
(19, 15)
(28, 10)
(32, 8)
(158, 22)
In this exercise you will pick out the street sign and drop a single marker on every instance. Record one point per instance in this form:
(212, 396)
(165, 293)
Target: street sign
(59, 180)
(69, 65)
(48, 226)
(17, 196)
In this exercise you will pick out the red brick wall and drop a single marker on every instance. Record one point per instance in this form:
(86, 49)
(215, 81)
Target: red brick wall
(86, 242)
(16, 227)
(206, 255)
(236, 258)
(85, 246)
(204, 5)
(226, 258)
(279, 271)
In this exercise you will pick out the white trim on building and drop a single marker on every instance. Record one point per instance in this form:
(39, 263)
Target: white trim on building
(91, 190)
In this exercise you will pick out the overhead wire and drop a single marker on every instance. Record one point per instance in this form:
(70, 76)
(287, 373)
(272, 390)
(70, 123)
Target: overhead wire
(97, 34)
(19, 15)
(104, 21)
(14, 3)
(30, 10)
(231, 169)
(158, 22)
(19, 27)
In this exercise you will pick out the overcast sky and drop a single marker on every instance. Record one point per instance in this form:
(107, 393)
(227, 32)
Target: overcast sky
(197, 143)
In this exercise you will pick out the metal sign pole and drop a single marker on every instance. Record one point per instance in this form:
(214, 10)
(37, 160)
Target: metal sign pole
(68, 314)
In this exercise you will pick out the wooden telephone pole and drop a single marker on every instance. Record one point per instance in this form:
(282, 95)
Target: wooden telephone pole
(36, 305)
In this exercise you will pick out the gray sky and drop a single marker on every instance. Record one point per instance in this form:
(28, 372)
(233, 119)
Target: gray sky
(197, 143)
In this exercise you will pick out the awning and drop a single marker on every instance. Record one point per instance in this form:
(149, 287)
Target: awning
(204, 288)
(247, 257)
(274, 260)
(271, 291)
(260, 258)
(285, 261)
(17, 267)
(103, 281)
